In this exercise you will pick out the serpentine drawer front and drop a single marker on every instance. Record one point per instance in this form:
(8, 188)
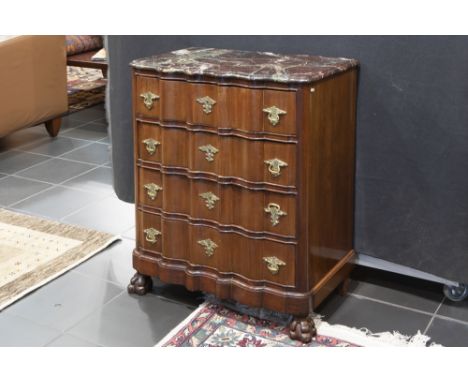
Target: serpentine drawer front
(244, 171)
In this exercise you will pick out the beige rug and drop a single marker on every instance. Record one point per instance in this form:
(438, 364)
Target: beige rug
(34, 251)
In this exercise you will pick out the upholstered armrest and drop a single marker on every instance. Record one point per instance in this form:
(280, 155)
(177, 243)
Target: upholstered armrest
(33, 81)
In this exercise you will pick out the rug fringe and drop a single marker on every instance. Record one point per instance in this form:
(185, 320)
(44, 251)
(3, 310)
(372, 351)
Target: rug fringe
(364, 337)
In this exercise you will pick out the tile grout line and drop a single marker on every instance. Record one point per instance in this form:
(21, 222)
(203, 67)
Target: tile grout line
(100, 199)
(390, 304)
(433, 316)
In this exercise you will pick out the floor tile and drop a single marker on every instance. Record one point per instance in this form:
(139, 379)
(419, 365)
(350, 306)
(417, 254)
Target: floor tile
(65, 301)
(97, 153)
(113, 264)
(56, 170)
(89, 114)
(457, 310)
(22, 137)
(14, 161)
(56, 202)
(17, 331)
(67, 340)
(130, 233)
(377, 317)
(90, 131)
(14, 189)
(69, 122)
(55, 146)
(131, 320)
(3, 175)
(396, 289)
(177, 293)
(108, 215)
(448, 333)
(99, 180)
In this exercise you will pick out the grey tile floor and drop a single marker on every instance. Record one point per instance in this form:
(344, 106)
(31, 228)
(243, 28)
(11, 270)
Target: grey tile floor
(69, 178)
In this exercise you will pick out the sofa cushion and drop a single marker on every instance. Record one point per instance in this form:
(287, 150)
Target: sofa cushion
(82, 43)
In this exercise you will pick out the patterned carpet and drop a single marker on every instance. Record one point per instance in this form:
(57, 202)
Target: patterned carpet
(215, 325)
(86, 87)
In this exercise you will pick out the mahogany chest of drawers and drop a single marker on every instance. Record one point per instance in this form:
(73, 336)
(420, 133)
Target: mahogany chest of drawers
(244, 176)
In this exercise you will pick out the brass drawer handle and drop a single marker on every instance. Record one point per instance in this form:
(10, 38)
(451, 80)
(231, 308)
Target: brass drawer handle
(209, 151)
(148, 98)
(275, 211)
(151, 235)
(210, 199)
(207, 104)
(209, 246)
(152, 190)
(151, 145)
(274, 264)
(274, 114)
(274, 166)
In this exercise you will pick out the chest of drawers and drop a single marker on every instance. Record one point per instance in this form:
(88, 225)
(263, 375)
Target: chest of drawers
(244, 176)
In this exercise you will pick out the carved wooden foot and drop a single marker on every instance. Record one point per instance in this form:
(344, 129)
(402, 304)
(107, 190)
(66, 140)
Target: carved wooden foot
(53, 126)
(302, 329)
(140, 284)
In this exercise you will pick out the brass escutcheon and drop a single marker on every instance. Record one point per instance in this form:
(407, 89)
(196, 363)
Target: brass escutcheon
(207, 104)
(273, 264)
(274, 166)
(210, 199)
(209, 151)
(152, 190)
(151, 235)
(275, 211)
(148, 98)
(274, 114)
(209, 246)
(151, 145)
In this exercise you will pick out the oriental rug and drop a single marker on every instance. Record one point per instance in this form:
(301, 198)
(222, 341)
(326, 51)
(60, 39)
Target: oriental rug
(34, 251)
(86, 87)
(215, 325)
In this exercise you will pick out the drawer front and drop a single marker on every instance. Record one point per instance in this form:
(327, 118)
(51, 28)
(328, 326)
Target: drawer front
(148, 97)
(255, 259)
(252, 160)
(218, 106)
(229, 205)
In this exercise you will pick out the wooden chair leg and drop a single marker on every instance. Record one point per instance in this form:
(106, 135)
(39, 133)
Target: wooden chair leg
(53, 126)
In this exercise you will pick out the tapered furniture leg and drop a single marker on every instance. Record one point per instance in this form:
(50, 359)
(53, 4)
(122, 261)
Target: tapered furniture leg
(302, 329)
(140, 284)
(53, 126)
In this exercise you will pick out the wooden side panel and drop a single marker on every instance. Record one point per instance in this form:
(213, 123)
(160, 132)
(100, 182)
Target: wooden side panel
(331, 138)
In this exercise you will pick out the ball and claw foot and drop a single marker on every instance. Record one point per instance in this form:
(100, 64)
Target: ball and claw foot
(140, 284)
(302, 329)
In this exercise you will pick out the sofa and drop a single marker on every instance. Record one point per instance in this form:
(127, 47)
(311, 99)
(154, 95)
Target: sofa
(33, 82)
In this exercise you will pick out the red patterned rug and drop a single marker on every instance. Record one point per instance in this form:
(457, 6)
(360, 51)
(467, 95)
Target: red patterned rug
(213, 325)
(86, 87)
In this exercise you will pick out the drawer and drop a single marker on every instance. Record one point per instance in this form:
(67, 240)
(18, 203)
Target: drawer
(229, 205)
(255, 259)
(200, 104)
(259, 161)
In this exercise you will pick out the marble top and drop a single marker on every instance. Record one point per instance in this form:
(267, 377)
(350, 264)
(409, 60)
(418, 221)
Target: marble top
(258, 66)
